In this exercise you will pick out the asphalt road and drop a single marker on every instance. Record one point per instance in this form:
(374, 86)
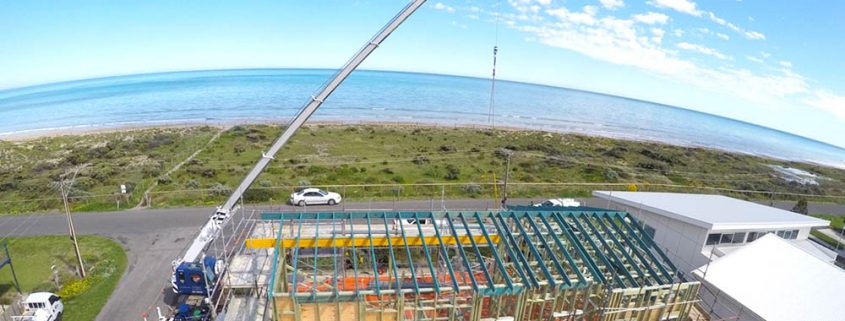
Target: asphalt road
(153, 238)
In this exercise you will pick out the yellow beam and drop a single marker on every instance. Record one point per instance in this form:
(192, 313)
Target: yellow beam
(266, 243)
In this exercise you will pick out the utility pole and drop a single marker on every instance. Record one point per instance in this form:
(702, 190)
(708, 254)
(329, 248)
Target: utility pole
(71, 228)
(507, 177)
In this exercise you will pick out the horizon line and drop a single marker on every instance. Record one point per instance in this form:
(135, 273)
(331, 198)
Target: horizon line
(47, 84)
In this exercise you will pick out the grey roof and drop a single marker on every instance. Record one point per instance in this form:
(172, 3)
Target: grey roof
(713, 212)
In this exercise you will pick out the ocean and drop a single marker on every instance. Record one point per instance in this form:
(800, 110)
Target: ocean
(275, 95)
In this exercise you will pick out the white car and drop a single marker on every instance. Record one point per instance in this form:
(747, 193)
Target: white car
(566, 202)
(311, 196)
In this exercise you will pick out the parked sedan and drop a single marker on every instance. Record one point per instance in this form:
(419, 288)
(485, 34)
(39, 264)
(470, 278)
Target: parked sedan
(310, 196)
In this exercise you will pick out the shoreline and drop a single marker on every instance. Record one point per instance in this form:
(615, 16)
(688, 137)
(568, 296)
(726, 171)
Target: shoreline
(35, 134)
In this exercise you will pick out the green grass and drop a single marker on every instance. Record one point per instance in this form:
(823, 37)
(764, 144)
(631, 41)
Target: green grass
(105, 262)
(827, 239)
(389, 155)
(837, 222)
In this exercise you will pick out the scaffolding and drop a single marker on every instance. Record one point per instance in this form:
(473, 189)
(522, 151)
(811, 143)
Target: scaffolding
(508, 265)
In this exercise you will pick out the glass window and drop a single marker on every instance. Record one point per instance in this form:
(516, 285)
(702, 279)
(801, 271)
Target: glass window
(794, 234)
(739, 237)
(713, 239)
(727, 238)
(649, 230)
(751, 236)
(781, 233)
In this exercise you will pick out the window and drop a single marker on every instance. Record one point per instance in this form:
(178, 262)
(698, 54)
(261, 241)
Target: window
(713, 239)
(727, 238)
(739, 237)
(781, 234)
(794, 234)
(753, 236)
(649, 230)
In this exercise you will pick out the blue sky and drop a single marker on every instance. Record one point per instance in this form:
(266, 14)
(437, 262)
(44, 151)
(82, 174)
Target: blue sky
(773, 63)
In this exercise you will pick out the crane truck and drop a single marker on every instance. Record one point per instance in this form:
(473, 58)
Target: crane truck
(195, 274)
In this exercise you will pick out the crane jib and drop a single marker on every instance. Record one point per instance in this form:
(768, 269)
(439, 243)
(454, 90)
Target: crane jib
(210, 229)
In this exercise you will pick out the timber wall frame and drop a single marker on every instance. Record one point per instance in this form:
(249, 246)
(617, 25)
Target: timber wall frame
(530, 265)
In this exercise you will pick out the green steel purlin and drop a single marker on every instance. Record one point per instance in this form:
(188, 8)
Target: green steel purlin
(492, 286)
(508, 235)
(435, 282)
(558, 266)
(275, 262)
(645, 249)
(463, 256)
(602, 245)
(316, 237)
(569, 259)
(397, 285)
(625, 254)
(616, 259)
(334, 252)
(363, 215)
(534, 251)
(662, 255)
(582, 252)
(355, 266)
(410, 258)
(496, 257)
(608, 265)
(634, 248)
(373, 255)
(295, 259)
(445, 255)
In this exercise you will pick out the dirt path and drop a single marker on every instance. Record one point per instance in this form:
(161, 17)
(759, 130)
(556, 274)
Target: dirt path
(142, 203)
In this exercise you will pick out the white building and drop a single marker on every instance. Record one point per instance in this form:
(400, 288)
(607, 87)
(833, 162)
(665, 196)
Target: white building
(694, 229)
(771, 279)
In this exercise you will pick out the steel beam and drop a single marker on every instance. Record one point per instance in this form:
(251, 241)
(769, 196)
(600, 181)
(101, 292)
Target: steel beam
(519, 257)
(492, 286)
(463, 255)
(427, 255)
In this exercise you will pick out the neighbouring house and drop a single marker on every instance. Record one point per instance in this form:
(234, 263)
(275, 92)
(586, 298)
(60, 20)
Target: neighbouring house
(695, 229)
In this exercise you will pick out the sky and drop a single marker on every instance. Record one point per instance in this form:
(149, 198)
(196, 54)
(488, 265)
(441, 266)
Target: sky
(774, 63)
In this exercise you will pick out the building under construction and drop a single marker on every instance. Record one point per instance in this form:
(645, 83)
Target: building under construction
(587, 264)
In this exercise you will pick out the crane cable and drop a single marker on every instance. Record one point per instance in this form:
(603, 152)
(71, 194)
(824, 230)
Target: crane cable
(491, 115)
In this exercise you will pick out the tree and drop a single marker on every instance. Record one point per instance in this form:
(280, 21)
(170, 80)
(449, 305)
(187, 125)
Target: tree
(801, 207)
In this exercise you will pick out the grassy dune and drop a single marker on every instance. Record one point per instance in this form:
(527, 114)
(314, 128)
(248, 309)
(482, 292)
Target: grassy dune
(391, 155)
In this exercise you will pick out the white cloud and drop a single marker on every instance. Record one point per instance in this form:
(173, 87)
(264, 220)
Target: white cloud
(623, 41)
(754, 35)
(442, 7)
(702, 50)
(785, 64)
(755, 59)
(544, 2)
(678, 33)
(651, 18)
(612, 4)
(683, 6)
(828, 101)
(723, 36)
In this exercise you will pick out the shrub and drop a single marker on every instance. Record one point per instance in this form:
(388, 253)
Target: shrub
(75, 287)
(452, 172)
(502, 153)
(398, 179)
(164, 179)
(387, 170)
(419, 160)
(192, 184)
(239, 149)
(447, 149)
(471, 189)
(611, 175)
(218, 189)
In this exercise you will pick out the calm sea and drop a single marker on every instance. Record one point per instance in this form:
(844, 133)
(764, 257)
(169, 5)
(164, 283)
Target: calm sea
(234, 96)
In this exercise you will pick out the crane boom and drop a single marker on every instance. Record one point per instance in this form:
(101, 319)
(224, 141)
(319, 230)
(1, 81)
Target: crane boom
(209, 230)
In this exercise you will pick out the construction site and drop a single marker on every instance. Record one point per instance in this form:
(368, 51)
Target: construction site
(573, 264)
